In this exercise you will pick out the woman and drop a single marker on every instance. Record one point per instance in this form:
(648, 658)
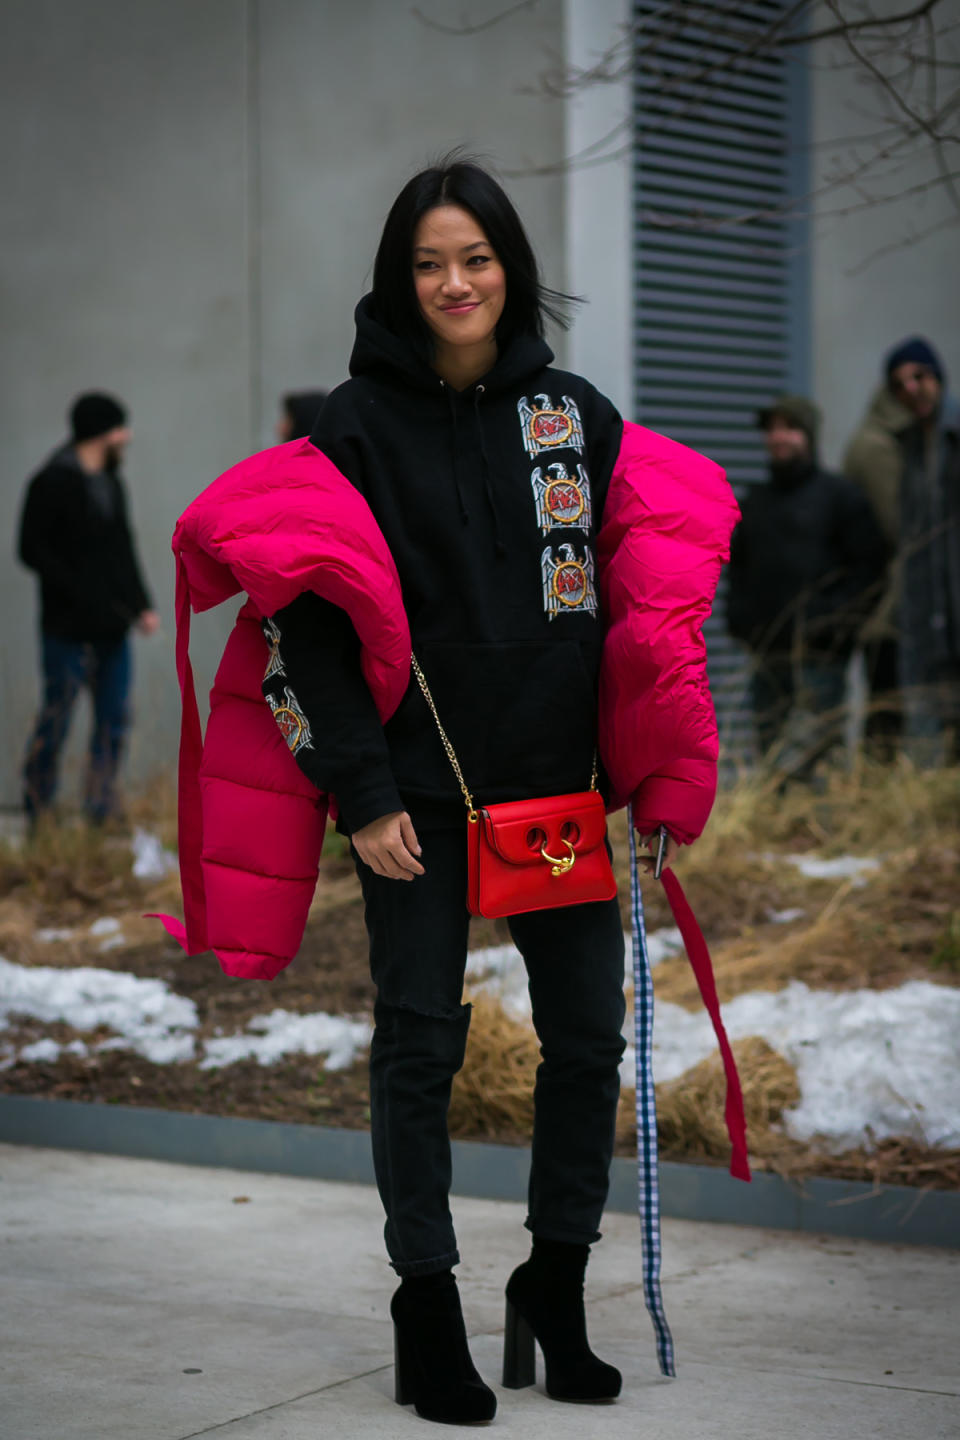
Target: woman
(490, 477)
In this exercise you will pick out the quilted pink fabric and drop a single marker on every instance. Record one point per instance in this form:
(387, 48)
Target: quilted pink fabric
(250, 824)
(666, 532)
(285, 521)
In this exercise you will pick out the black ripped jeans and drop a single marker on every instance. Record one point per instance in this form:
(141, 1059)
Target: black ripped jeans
(574, 958)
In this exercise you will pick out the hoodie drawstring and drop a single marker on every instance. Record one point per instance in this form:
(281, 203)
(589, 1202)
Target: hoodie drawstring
(487, 477)
(457, 479)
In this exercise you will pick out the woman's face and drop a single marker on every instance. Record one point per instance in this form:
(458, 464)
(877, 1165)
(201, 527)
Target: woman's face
(460, 283)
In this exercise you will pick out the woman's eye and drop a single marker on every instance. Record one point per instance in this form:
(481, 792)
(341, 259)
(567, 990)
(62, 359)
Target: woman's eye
(425, 265)
(476, 260)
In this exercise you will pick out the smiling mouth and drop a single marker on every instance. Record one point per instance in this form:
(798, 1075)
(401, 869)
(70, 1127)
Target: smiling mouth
(460, 309)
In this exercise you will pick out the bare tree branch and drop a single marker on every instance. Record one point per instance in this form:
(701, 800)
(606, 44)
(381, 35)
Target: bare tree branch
(849, 27)
(467, 29)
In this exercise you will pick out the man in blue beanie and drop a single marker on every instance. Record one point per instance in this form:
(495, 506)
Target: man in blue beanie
(75, 534)
(912, 477)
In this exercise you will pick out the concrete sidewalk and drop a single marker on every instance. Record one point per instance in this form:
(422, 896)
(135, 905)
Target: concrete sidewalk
(159, 1302)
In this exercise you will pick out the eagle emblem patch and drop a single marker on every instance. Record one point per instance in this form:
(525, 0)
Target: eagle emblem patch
(547, 427)
(568, 582)
(271, 633)
(294, 726)
(561, 499)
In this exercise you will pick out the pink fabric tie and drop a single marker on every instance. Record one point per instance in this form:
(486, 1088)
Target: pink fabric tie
(192, 935)
(699, 957)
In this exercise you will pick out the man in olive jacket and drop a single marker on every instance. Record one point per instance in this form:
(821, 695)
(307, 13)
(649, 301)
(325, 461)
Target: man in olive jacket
(75, 534)
(906, 459)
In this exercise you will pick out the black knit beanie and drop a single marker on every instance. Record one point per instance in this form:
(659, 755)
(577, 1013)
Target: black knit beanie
(915, 351)
(95, 414)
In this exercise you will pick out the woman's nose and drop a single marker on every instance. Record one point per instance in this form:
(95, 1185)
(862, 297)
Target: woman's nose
(457, 281)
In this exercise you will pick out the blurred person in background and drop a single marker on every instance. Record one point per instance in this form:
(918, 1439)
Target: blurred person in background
(906, 459)
(805, 565)
(75, 533)
(874, 461)
(299, 412)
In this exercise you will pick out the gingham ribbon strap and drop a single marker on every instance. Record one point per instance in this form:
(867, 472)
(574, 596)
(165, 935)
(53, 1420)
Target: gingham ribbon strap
(648, 1181)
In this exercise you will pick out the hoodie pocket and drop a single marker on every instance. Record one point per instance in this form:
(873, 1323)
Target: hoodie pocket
(521, 716)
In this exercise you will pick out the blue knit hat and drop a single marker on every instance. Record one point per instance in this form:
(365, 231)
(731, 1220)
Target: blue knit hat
(916, 351)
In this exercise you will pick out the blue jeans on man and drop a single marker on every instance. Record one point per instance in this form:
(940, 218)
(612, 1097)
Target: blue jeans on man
(104, 667)
(812, 693)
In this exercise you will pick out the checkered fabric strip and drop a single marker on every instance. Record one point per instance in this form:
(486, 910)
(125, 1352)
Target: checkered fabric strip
(648, 1184)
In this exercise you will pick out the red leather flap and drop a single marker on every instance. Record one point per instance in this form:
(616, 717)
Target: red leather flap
(519, 829)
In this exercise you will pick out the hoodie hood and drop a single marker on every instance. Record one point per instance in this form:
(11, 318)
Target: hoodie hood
(887, 413)
(377, 351)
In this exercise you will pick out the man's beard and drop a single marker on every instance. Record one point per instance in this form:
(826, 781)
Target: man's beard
(112, 458)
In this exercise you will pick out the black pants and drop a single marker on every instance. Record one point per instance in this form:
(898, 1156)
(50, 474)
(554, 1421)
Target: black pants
(574, 959)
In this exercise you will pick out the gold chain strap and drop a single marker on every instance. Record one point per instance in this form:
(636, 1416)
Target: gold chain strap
(472, 815)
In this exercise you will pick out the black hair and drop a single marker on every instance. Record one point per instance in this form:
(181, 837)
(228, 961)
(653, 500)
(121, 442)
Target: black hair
(302, 408)
(455, 180)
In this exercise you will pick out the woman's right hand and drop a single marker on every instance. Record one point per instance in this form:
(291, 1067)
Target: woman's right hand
(390, 846)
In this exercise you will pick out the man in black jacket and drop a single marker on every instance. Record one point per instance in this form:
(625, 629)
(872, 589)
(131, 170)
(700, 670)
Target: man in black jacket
(75, 534)
(806, 564)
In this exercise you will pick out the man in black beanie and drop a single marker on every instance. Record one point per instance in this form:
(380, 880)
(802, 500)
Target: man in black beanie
(74, 532)
(910, 471)
(805, 562)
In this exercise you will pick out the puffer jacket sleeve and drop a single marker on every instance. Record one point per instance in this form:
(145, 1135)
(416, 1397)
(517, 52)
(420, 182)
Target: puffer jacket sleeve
(665, 534)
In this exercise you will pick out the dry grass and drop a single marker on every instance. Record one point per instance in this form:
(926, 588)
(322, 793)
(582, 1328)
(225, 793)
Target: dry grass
(690, 1109)
(493, 1093)
(904, 922)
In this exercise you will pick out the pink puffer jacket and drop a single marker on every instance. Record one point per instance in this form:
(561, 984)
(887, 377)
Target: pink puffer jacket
(285, 521)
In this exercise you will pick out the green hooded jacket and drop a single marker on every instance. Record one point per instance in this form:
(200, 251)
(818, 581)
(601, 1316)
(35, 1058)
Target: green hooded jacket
(874, 460)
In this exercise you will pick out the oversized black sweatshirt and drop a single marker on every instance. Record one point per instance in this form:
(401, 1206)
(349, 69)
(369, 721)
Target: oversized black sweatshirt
(489, 500)
(75, 534)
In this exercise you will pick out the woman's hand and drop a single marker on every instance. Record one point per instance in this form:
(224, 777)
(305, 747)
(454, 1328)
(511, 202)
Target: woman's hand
(390, 846)
(670, 852)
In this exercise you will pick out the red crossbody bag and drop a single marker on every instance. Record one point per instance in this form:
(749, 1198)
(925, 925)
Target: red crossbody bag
(532, 854)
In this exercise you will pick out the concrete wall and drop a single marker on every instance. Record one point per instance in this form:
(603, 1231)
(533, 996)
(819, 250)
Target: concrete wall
(193, 191)
(880, 271)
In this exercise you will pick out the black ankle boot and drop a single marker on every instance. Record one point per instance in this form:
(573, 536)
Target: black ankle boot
(545, 1303)
(434, 1371)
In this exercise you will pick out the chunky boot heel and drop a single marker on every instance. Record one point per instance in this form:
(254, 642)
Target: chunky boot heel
(433, 1368)
(519, 1351)
(545, 1303)
(402, 1392)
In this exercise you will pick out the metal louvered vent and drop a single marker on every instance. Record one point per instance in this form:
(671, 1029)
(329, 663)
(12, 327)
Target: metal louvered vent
(720, 295)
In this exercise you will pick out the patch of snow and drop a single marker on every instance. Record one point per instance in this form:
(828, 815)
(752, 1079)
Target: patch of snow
(883, 1059)
(146, 1016)
(41, 1050)
(161, 1048)
(47, 937)
(842, 867)
(269, 1037)
(498, 970)
(105, 926)
(784, 917)
(150, 860)
(113, 942)
(661, 945)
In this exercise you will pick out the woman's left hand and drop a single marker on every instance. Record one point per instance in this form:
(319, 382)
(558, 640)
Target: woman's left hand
(670, 852)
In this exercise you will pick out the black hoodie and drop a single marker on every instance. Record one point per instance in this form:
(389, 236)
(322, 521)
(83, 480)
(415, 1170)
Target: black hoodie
(74, 532)
(489, 499)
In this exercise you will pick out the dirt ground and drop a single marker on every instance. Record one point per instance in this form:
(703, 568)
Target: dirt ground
(879, 935)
